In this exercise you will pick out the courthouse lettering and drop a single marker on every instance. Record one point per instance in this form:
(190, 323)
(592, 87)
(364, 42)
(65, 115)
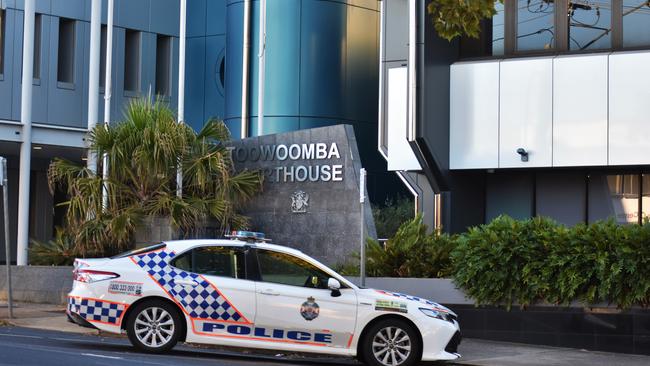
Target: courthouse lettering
(313, 161)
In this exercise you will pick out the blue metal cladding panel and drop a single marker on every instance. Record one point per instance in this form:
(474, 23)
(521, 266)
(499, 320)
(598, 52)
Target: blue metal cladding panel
(215, 17)
(133, 14)
(362, 66)
(6, 80)
(65, 101)
(234, 125)
(74, 9)
(282, 84)
(254, 52)
(323, 64)
(214, 91)
(275, 125)
(196, 17)
(234, 39)
(315, 122)
(165, 17)
(194, 79)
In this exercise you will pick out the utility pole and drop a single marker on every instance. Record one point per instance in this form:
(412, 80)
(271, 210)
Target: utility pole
(362, 238)
(5, 205)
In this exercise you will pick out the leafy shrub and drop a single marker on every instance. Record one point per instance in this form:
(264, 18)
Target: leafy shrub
(393, 213)
(60, 251)
(503, 261)
(412, 252)
(509, 261)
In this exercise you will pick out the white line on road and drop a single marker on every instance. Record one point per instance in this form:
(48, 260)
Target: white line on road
(102, 356)
(19, 336)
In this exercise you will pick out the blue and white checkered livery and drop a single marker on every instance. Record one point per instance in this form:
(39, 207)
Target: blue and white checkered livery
(202, 301)
(96, 310)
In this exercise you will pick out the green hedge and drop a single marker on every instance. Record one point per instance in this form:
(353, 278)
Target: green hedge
(522, 262)
(509, 261)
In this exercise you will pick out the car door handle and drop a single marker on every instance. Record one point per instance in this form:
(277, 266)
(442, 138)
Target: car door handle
(186, 282)
(270, 292)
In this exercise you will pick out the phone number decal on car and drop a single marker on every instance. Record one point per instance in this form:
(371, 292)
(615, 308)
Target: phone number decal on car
(125, 288)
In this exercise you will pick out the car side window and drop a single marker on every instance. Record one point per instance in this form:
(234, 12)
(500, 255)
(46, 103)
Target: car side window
(285, 269)
(222, 261)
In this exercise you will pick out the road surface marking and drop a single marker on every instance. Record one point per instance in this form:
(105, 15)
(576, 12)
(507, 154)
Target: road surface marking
(101, 356)
(19, 336)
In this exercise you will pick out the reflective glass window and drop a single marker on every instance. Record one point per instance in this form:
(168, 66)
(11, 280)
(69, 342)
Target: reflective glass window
(645, 197)
(624, 197)
(590, 24)
(498, 29)
(636, 23)
(535, 25)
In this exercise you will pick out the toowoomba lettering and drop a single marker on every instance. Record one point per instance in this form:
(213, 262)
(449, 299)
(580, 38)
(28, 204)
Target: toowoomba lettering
(283, 153)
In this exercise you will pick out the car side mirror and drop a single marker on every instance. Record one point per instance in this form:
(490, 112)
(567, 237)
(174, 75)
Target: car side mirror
(334, 285)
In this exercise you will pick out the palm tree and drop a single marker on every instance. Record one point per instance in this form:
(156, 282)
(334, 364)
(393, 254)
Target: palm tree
(144, 152)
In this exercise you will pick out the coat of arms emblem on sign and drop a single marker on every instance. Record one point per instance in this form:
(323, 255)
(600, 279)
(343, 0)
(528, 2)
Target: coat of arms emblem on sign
(299, 202)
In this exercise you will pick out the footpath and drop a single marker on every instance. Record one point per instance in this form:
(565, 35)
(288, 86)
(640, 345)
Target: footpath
(475, 351)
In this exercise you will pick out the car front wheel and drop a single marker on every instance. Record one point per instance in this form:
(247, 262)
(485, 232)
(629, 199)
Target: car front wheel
(391, 342)
(154, 326)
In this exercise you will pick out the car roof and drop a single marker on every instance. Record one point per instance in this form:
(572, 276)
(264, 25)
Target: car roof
(187, 243)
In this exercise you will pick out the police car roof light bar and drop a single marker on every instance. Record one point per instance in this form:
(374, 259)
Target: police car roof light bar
(251, 236)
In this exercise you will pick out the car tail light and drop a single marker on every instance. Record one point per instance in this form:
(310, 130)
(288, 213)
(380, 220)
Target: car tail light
(90, 276)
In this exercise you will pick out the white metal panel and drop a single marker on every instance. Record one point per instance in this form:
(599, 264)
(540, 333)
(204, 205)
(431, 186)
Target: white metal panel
(400, 154)
(580, 110)
(526, 110)
(629, 108)
(474, 115)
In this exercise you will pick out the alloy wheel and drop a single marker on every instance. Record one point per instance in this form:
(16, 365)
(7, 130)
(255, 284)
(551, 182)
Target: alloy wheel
(154, 327)
(391, 346)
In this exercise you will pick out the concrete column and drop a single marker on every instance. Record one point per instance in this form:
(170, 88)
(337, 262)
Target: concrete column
(93, 76)
(108, 89)
(181, 86)
(26, 146)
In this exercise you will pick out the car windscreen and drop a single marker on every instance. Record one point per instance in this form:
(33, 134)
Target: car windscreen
(139, 251)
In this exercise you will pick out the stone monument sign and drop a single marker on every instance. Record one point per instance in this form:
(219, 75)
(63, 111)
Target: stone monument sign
(310, 199)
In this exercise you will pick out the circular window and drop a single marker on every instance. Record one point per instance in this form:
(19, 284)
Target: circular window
(220, 72)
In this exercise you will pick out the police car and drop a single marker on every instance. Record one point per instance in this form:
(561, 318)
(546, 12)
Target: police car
(245, 292)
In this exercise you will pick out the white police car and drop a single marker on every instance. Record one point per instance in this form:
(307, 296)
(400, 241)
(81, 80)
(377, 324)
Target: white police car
(247, 293)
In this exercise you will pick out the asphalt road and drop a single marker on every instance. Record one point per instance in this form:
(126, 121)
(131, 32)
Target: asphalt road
(22, 346)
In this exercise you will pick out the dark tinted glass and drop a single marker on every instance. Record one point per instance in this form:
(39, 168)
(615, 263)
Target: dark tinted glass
(286, 269)
(222, 261)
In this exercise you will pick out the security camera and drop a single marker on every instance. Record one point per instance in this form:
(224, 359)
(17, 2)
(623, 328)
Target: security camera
(523, 153)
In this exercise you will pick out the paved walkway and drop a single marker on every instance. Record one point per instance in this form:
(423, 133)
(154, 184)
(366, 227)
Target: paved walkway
(475, 351)
(489, 353)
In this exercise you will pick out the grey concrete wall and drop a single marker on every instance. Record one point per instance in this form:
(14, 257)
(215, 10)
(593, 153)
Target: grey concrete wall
(37, 284)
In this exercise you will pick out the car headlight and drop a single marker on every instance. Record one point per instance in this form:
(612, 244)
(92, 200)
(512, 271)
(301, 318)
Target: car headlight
(437, 314)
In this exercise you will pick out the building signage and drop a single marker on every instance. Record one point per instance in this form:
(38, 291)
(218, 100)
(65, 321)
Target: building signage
(313, 161)
(310, 198)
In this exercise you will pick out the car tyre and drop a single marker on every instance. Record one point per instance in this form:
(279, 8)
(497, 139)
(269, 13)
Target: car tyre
(391, 342)
(154, 326)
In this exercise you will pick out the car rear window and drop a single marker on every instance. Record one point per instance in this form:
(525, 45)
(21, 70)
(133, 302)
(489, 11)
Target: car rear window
(139, 251)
